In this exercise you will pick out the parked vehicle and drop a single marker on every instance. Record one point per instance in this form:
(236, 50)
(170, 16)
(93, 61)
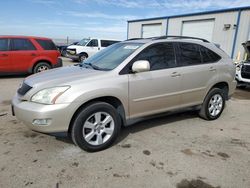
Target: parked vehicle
(22, 54)
(128, 80)
(87, 47)
(243, 69)
(63, 48)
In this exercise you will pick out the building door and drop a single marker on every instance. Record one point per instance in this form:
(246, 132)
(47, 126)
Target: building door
(151, 30)
(198, 28)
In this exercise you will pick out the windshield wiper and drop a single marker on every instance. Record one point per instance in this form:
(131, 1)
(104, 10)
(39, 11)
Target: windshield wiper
(94, 66)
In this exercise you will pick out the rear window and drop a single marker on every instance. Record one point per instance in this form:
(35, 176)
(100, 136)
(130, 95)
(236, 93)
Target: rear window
(3, 44)
(106, 43)
(22, 44)
(208, 56)
(46, 44)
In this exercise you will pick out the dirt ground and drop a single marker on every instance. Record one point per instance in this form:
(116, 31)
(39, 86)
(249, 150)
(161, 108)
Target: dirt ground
(178, 150)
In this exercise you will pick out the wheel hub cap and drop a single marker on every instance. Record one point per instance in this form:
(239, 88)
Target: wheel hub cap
(215, 105)
(98, 128)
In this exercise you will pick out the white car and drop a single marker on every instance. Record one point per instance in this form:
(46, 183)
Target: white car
(87, 47)
(243, 69)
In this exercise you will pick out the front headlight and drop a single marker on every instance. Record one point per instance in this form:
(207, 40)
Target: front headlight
(238, 68)
(49, 95)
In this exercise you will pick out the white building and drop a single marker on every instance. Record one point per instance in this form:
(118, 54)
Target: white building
(228, 28)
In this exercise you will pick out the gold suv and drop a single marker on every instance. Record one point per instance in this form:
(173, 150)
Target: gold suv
(127, 80)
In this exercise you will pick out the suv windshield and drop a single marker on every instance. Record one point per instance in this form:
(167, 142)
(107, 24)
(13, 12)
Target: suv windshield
(112, 56)
(83, 42)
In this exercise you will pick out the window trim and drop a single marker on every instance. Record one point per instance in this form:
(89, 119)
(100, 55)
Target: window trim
(127, 68)
(12, 45)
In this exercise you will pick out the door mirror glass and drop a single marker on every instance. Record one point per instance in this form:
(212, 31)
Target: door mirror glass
(141, 66)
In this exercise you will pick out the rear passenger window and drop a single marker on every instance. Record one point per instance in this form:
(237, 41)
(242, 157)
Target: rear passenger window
(160, 56)
(189, 54)
(106, 43)
(22, 44)
(46, 44)
(208, 56)
(4, 45)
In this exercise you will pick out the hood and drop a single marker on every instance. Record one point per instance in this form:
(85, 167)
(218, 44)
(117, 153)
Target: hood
(62, 76)
(73, 46)
(246, 45)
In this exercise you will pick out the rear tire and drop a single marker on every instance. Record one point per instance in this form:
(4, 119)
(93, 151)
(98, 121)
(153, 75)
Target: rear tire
(96, 127)
(40, 67)
(213, 104)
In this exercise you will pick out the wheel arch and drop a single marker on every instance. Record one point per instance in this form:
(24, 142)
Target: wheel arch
(84, 53)
(222, 85)
(39, 61)
(114, 101)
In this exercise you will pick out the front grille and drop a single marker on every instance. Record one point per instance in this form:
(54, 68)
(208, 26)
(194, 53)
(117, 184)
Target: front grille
(23, 89)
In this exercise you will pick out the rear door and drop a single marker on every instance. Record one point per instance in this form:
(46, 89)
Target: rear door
(198, 72)
(93, 47)
(158, 89)
(22, 54)
(5, 60)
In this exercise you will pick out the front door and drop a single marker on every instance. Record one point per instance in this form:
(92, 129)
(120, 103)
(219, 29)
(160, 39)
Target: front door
(93, 47)
(158, 89)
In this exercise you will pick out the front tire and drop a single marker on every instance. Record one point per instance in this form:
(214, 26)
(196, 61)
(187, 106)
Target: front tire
(213, 104)
(96, 127)
(82, 57)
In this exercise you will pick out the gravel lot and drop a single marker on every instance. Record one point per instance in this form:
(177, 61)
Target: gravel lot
(171, 151)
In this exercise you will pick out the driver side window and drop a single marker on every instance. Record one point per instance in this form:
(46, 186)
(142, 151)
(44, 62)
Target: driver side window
(160, 56)
(93, 43)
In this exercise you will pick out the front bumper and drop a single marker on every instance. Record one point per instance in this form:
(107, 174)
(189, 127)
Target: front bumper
(57, 114)
(73, 57)
(241, 80)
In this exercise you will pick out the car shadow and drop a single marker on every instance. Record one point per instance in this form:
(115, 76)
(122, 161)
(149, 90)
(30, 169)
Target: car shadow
(242, 94)
(142, 124)
(156, 121)
(13, 76)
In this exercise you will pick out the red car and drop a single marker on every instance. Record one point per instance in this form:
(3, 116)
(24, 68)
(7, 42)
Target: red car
(21, 54)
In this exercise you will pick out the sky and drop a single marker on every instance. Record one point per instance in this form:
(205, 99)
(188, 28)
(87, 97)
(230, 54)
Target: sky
(78, 19)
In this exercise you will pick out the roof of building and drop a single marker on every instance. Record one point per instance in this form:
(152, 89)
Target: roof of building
(195, 14)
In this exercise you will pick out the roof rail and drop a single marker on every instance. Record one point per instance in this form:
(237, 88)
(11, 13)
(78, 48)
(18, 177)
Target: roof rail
(178, 37)
(134, 39)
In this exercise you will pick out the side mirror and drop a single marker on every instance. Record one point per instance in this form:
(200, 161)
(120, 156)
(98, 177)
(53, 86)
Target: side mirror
(141, 66)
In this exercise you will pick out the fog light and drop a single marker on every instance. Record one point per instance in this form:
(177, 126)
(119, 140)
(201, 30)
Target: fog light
(41, 122)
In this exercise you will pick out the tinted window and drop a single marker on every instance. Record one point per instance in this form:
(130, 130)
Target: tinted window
(105, 43)
(160, 56)
(22, 44)
(189, 54)
(93, 43)
(3, 44)
(208, 56)
(46, 44)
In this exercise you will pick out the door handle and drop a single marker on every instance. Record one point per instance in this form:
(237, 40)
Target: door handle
(3, 55)
(212, 69)
(175, 74)
(33, 54)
